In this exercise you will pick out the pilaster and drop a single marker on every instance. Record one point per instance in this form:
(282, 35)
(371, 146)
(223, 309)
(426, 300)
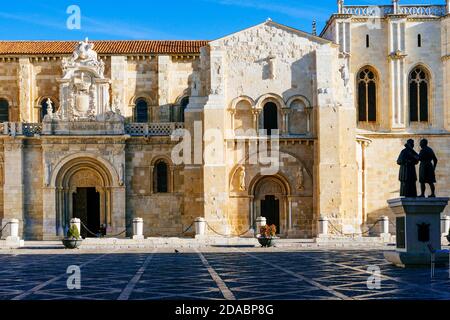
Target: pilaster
(25, 76)
(397, 77)
(13, 190)
(119, 83)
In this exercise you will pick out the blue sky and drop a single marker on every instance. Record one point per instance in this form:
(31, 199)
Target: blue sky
(155, 19)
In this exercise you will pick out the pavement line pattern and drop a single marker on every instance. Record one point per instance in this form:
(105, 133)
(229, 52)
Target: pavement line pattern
(411, 285)
(298, 276)
(126, 293)
(48, 282)
(228, 295)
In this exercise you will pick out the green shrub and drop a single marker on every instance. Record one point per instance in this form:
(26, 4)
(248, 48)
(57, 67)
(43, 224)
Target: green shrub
(73, 232)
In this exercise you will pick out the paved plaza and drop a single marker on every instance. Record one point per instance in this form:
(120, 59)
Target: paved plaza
(236, 273)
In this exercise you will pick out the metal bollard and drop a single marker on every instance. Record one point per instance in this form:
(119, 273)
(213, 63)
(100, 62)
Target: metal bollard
(323, 226)
(138, 229)
(200, 227)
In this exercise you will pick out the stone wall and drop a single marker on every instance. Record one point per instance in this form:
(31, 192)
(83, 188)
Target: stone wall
(382, 170)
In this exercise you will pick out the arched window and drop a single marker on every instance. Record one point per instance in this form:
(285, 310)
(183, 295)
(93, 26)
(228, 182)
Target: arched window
(367, 95)
(141, 111)
(184, 103)
(270, 117)
(161, 177)
(418, 95)
(4, 110)
(44, 105)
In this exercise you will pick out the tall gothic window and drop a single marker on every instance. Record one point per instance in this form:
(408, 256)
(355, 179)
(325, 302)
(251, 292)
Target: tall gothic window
(270, 117)
(418, 95)
(4, 110)
(367, 95)
(141, 111)
(184, 103)
(161, 177)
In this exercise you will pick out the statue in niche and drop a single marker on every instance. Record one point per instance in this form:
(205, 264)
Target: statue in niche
(195, 85)
(407, 160)
(121, 174)
(49, 115)
(300, 177)
(47, 173)
(242, 174)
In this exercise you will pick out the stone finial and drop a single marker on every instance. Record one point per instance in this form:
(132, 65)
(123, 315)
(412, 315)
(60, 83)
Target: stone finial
(395, 4)
(447, 4)
(314, 28)
(340, 5)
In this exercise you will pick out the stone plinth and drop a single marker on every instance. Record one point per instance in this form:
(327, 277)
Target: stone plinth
(418, 223)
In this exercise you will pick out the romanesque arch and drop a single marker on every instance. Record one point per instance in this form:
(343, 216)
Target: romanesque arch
(84, 189)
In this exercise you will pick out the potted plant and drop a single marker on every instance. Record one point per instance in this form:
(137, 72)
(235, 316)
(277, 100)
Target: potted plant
(267, 236)
(73, 239)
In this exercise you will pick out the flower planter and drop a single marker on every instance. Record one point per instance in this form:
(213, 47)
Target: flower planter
(72, 243)
(267, 242)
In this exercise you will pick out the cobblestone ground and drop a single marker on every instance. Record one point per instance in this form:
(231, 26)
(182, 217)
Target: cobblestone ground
(231, 273)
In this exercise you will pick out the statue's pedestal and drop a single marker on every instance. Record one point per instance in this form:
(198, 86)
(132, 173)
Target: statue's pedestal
(418, 223)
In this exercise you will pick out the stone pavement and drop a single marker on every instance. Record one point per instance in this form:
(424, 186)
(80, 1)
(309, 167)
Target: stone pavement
(241, 273)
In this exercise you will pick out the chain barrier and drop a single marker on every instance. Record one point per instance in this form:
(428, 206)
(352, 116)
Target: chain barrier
(354, 234)
(103, 237)
(3, 229)
(224, 235)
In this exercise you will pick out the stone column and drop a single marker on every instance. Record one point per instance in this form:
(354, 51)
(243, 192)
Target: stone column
(13, 189)
(397, 76)
(118, 210)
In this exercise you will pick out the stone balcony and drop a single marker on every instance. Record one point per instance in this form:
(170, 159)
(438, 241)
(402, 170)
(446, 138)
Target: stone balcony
(383, 11)
(132, 129)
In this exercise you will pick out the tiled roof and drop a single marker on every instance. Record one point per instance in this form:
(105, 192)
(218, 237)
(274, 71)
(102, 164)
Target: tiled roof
(102, 47)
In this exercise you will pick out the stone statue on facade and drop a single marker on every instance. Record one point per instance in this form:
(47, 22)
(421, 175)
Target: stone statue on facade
(407, 160)
(300, 179)
(428, 164)
(49, 109)
(47, 173)
(345, 75)
(242, 174)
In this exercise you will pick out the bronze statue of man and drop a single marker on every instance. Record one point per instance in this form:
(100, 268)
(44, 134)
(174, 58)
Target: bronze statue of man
(428, 164)
(407, 161)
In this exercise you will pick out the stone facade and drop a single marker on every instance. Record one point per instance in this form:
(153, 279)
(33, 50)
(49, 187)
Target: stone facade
(91, 149)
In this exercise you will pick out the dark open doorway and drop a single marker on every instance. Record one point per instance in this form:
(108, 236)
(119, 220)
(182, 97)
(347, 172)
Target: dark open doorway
(86, 207)
(270, 209)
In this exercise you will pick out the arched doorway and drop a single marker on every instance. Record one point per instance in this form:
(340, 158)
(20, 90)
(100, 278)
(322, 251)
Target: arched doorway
(83, 190)
(270, 201)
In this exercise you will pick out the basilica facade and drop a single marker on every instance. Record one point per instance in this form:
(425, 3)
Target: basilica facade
(269, 121)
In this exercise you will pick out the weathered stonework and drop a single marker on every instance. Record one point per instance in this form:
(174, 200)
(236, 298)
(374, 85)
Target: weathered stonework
(330, 165)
